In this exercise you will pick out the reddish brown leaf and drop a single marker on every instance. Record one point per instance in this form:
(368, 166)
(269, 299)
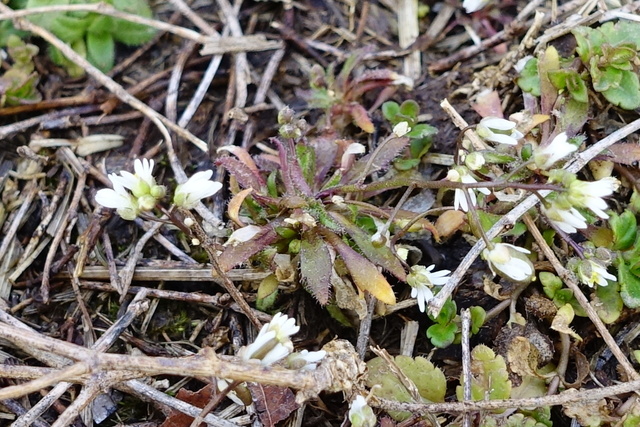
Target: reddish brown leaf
(198, 398)
(626, 153)
(361, 117)
(273, 403)
(245, 176)
(235, 255)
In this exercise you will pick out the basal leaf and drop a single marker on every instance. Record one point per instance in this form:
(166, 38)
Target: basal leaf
(627, 94)
(390, 110)
(529, 80)
(101, 24)
(127, 32)
(382, 157)
(629, 285)
(360, 117)
(608, 303)
(410, 109)
(316, 266)
(241, 172)
(442, 335)
(364, 274)
(381, 256)
(428, 379)
(101, 50)
(625, 230)
(69, 28)
(489, 376)
(237, 254)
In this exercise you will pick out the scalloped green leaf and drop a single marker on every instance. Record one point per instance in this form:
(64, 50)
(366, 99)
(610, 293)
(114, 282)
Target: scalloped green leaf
(410, 109)
(626, 94)
(489, 376)
(428, 379)
(529, 80)
(390, 110)
(625, 230)
(442, 335)
(629, 284)
(608, 303)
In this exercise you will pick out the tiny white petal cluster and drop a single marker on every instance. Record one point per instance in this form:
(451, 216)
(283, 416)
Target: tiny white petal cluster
(567, 220)
(559, 148)
(561, 208)
(591, 272)
(401, 129)
(361, 414)
(509, 261)
(305, 359)
(119, 198)
(422, 279)
(500, 131)
(471, 6)
(132, 193)
(273, 342)
(196, 188)
(589, 194)
(461, 174)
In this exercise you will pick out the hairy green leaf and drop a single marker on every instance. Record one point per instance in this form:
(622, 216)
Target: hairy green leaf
(315, 266)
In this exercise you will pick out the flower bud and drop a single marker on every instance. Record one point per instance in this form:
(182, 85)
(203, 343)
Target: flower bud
(474, 161)
(286, 115)
(146, 202)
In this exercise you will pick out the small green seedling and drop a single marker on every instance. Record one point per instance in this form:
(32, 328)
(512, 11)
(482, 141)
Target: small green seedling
(92, 35)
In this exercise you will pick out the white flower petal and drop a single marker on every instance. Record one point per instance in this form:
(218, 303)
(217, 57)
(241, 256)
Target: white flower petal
(559, 148)
(196, 188)
(242, 235)
(496, 123)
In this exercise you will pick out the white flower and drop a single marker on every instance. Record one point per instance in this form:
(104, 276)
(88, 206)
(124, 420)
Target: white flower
(188, 194)
(567, 220)
(361, 414)
(509, 261)
(401, 129)
(461, 174)
(119, 198)
(498, 130)
(272, 343)
(305, 359)
(421, 280)
(142, 181)
(589, 194)
(471, 6)
(559, 148)
(591, 272)
(242, 235)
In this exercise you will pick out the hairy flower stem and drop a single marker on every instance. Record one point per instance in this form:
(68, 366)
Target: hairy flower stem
(209, 246)
(476, 219)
